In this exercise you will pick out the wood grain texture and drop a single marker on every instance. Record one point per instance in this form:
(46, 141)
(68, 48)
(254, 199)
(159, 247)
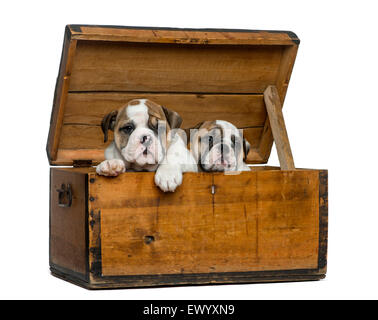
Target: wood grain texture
(263, 220)
(91, 137)
(118, 66)
(68, 225)
(323, 220)
(66, 157)
(241, 110)
(276, 217)
(164, 63)
(60, 95)
(84, 112)
(184, 36)
(277, 124)
(77, 140)
(190, 279)
(286, 68)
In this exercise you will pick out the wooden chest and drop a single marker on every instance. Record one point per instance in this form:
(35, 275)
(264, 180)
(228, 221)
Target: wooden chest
(266, 225)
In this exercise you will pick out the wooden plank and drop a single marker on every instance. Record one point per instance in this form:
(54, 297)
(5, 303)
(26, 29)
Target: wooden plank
(287, 63)
(119, 66)
(261, 220)
(323, 220)
(66, 157)
(94, 238)
(80, 142)
(89, 170)
(291, 205)
(83, 137)
(187, 36)
(277, 123)
(286, 68)
(84, 112)
(185, 279)
(188, 279)
(129, 219)
(248, 60)
(60, 96)
(91, 137)
(68, 225)
(241, 110)
(274, 215)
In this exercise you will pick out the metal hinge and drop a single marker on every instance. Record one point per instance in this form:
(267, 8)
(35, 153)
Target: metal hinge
(82, 163)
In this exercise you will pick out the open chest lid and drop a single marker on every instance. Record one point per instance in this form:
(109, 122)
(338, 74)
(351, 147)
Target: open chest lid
(203, 74)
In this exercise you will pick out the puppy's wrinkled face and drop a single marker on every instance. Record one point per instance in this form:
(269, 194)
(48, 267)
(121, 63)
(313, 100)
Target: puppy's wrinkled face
(218, 146)
(136, 132)
(137, 141)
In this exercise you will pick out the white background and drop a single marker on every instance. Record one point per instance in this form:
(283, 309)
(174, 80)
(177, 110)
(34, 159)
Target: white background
(330, 109)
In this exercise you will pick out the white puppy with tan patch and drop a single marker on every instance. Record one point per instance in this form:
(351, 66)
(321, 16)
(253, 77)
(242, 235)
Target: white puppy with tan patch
(219, 146)
(145, 140)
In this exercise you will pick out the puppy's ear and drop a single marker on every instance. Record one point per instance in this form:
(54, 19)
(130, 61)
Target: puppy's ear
(246, 148)
(173, 118)
(108, 123)
(199, 125)
(187, 130)
(153, 123)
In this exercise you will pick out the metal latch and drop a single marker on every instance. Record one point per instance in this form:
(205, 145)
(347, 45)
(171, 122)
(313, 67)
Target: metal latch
(65, 196)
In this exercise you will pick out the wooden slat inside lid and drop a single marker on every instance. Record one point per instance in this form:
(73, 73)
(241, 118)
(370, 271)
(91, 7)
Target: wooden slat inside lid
(201, 74)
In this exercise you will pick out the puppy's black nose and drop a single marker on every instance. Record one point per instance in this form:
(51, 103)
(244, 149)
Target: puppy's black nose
(224, 148)
(145, 141)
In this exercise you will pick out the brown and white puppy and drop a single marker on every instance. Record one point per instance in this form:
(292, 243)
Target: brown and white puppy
(144, 140)
(219, 146)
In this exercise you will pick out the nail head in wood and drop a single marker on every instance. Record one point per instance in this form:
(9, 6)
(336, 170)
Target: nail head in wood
(149, 239)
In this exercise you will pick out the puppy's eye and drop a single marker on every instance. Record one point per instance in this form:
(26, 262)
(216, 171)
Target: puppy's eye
(127, 129)
(210, 142)
(233, 139)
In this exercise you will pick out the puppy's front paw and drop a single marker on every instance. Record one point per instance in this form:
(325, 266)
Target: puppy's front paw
(168, 177)
(111, 168)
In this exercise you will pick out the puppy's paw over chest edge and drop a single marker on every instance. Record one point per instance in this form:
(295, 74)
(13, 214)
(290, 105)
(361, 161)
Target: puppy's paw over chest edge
(168, 177)
(111, 168)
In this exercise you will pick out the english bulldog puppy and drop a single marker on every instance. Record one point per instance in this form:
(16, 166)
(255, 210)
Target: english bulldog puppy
(219, 146)
(145, 140)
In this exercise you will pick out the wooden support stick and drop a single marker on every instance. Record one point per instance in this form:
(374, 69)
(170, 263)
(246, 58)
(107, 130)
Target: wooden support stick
(277, 123)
